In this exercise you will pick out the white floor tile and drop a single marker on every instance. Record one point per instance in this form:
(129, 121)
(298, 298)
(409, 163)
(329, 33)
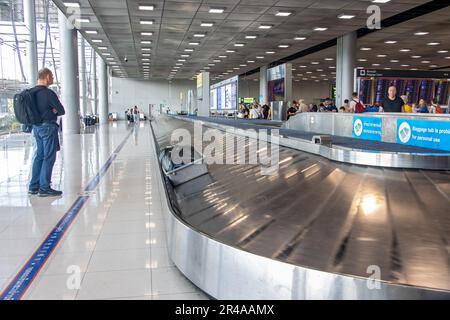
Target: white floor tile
(120, 260)
(160, 258)
(170, 281)
(123, 241)
(120, 227)
(9, 266)
(75, 243)
(51, 287)
(115, 284)
(60, 263)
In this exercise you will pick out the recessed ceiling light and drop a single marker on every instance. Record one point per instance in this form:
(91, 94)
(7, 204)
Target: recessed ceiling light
(194, 43)
(145, 59)
(230, 51)
(182, 60)
(106, 53)
(362, 60)
(185, 56)
(102, 48)
(238, 44)
(421, 33)
(346, 16)
(405, 50)
(376, 64)
(146, 54)
(300, 38)
(223, 57)
(250, 37)
(265, 26)
(283, 46)
(143, 21)
(199, 35)
(320, 29)
(146, 42)
(381, 55)
(447, 58)
(303, 66)
(328, 59)
(390, 41)
(332, 67)
(242, 65)
(416, 57)
(146, 49)
(146, 33)
(206, 24)
(216, 10)
(91, 31)
(433, 66)
(109, 59)
(83, 20)
(188, 50)
(176, 67)
(319, 70)
(314, 62)
(433, 43)
(308, 72)
(145, 64)
(235, 68)
(217, 61)
(72, 4)
(211, 64)
(270, 52)
(380, 1)
(365, 49)
(146, 7)
(259, 57)
(387, 68)
(283, 14)
(97, 40)
(442, 51)
(405, 65)
(250, 61)
(394, 61)
(425, 61)
(178, 64)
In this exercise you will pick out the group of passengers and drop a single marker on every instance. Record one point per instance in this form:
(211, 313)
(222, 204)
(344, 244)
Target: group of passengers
(391, 103)
(254, 111)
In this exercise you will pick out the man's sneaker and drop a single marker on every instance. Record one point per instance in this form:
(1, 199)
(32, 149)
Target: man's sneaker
(33, 192)
(49, 193)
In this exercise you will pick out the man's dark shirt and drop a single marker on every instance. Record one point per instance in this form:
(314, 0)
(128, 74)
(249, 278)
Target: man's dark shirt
(47, 100)
(291, 110)
(330, 108)
(393, 105)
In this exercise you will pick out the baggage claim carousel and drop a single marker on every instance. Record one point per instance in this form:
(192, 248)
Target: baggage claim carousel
(318, 229)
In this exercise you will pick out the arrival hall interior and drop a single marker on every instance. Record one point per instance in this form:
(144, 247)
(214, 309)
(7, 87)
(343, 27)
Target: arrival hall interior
(226, 149)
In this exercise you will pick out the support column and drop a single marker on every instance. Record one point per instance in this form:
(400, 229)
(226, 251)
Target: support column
(29, 13)
(103, 92)
(263, 98)
(94, 98)
(204, 101)
(70, 88)
(83, 83)
(345, 65)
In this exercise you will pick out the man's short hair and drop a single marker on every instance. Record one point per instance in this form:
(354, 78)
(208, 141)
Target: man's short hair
(43, 73)
(354, 94)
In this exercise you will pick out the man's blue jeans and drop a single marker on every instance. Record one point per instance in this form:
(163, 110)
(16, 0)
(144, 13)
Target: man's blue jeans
(47, 144)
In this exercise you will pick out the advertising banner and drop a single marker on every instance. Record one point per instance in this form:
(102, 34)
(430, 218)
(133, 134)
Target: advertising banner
(424, 133)
(367, 128)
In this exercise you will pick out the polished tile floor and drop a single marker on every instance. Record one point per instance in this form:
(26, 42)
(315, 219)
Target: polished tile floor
(116, 246)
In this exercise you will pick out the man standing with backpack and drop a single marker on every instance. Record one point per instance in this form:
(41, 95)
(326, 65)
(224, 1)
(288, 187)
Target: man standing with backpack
(356, 106)
(46, 134)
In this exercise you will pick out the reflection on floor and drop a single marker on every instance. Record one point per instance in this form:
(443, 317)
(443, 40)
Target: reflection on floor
(116, 246)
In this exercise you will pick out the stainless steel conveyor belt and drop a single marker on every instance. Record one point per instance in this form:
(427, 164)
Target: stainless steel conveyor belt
(337, 218)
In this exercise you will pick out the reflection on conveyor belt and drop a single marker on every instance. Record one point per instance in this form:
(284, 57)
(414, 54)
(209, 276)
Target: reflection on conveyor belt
(324, 215)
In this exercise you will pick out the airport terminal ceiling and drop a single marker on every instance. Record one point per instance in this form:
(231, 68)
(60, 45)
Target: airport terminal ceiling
(176, 39)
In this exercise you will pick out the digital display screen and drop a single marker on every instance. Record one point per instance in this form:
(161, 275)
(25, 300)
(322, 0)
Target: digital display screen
(275, 82)
(224, 95)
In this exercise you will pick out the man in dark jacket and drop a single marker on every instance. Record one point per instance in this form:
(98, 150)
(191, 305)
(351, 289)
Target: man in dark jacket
(46, 135)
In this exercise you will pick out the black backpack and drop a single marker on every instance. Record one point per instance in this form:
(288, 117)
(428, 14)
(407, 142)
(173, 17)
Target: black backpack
(25, 109)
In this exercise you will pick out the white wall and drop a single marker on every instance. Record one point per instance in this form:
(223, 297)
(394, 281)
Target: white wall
(127, 93)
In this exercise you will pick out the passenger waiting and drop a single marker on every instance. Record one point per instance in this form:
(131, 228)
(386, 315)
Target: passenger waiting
(303, 107)
(392, 103)
(423, 108)
(406, 107)
(292, 111)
